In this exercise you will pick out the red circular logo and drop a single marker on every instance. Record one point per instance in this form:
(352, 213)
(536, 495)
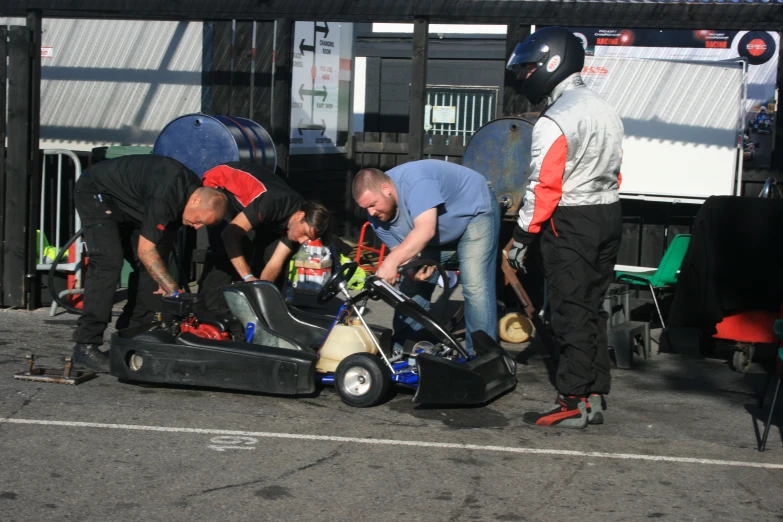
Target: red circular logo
(626, 37)
(757, 47)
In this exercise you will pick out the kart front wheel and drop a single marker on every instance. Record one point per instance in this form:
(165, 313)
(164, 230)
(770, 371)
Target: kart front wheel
(362, 380)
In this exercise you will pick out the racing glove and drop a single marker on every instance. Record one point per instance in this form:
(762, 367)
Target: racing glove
(518, 250)
(516, 256)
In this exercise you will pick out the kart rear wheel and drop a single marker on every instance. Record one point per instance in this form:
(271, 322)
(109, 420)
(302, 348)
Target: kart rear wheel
(362, 380)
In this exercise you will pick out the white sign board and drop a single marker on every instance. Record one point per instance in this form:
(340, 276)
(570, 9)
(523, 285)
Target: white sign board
(444, 114)
(682, 123)
(315, 88)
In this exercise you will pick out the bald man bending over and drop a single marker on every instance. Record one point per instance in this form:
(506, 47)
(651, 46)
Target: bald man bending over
(130, 208)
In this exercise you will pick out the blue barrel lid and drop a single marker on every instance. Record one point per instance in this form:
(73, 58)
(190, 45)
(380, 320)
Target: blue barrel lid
(203, 141)
(500, 150)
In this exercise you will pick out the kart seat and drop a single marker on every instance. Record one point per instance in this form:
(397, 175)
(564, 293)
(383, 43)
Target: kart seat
(270, 309)
(323, 320)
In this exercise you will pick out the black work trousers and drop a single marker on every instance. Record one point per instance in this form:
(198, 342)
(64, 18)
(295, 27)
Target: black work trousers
(110, 239)
(257, 248)
(579, 249)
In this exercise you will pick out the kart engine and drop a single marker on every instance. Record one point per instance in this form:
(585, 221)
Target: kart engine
(177, 316)
(414, 349)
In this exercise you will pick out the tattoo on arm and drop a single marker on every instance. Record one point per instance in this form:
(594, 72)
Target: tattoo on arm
(157, 269)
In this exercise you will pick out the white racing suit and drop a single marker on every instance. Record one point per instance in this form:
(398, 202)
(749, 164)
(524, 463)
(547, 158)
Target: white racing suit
(572, 202)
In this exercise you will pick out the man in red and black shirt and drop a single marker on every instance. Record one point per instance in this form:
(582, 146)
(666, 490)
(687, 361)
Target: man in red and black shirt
(269, 218)
(130, 207)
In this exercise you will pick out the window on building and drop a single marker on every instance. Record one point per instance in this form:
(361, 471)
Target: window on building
(459, 110)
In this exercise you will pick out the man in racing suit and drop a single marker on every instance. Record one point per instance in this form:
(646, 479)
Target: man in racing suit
(572, 204)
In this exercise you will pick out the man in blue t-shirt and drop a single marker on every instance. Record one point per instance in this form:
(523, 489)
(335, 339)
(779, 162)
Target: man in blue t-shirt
(439, 210)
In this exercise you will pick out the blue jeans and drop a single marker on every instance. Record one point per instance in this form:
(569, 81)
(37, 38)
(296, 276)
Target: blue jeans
(477, 251)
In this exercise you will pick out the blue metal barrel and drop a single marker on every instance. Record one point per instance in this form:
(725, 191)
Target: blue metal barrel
(500, 150)
(202, 141)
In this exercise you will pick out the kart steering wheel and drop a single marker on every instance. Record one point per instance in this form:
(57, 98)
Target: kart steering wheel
(331, 287)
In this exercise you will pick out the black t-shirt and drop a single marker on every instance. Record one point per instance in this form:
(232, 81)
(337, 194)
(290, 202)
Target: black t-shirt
(150, 190)
(264, 197)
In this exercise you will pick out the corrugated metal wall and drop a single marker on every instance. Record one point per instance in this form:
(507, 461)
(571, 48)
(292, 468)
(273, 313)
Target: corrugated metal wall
(116, 82)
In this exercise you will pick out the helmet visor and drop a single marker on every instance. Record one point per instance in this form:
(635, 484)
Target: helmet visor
(525, 53)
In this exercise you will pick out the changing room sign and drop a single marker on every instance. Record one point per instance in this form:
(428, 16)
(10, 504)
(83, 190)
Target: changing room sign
(315, 88)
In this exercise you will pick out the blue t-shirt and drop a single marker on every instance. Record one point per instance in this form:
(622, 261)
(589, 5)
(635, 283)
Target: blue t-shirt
(460, 194)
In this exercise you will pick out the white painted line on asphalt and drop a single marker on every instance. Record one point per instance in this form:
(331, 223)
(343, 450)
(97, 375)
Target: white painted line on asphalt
(390, 442)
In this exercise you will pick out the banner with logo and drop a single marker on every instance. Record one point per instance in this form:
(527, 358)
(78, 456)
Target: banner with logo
(760, 48)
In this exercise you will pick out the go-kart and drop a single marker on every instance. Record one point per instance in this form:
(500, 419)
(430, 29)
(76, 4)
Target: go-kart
(262, 345)
(763, 124)
(749, 151)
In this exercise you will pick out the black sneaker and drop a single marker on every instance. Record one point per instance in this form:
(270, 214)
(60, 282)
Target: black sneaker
(596, 404)
(567, 412)
(91, 357)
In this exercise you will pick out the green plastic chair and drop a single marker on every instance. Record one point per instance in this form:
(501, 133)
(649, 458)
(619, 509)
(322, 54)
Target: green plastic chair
(665, 275)
(778, 328)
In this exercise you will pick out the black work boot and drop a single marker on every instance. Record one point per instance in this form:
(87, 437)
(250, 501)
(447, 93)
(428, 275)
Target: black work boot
(596, 404)
(567, 412)
(91, 357)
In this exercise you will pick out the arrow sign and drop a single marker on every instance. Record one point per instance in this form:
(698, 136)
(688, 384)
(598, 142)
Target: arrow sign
(324, 29)
(311, 92)
(303, 47)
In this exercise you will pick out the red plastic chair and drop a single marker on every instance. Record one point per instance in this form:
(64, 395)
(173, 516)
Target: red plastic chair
(361, 246)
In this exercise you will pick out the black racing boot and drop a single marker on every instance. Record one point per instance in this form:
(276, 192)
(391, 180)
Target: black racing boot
(568, 412)
(91, 357)
(596, 404)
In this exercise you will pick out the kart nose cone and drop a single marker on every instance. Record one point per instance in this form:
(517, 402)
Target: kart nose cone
(489, 374)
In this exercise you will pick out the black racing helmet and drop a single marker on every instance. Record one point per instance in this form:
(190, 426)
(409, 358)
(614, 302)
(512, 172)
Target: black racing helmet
(556, 53)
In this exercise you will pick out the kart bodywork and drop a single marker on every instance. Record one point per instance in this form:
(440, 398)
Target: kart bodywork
(263, 345)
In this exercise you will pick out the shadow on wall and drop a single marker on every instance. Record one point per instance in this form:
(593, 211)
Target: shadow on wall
(691, 134)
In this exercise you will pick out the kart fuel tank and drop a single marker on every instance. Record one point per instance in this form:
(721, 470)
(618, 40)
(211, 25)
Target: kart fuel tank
(500, 150)
(343, 340)
(203, 141)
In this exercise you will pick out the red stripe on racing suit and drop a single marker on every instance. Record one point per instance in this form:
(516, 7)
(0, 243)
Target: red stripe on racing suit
(545, 183)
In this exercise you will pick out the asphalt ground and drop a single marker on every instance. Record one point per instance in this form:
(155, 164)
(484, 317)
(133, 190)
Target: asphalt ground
(679, 444)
